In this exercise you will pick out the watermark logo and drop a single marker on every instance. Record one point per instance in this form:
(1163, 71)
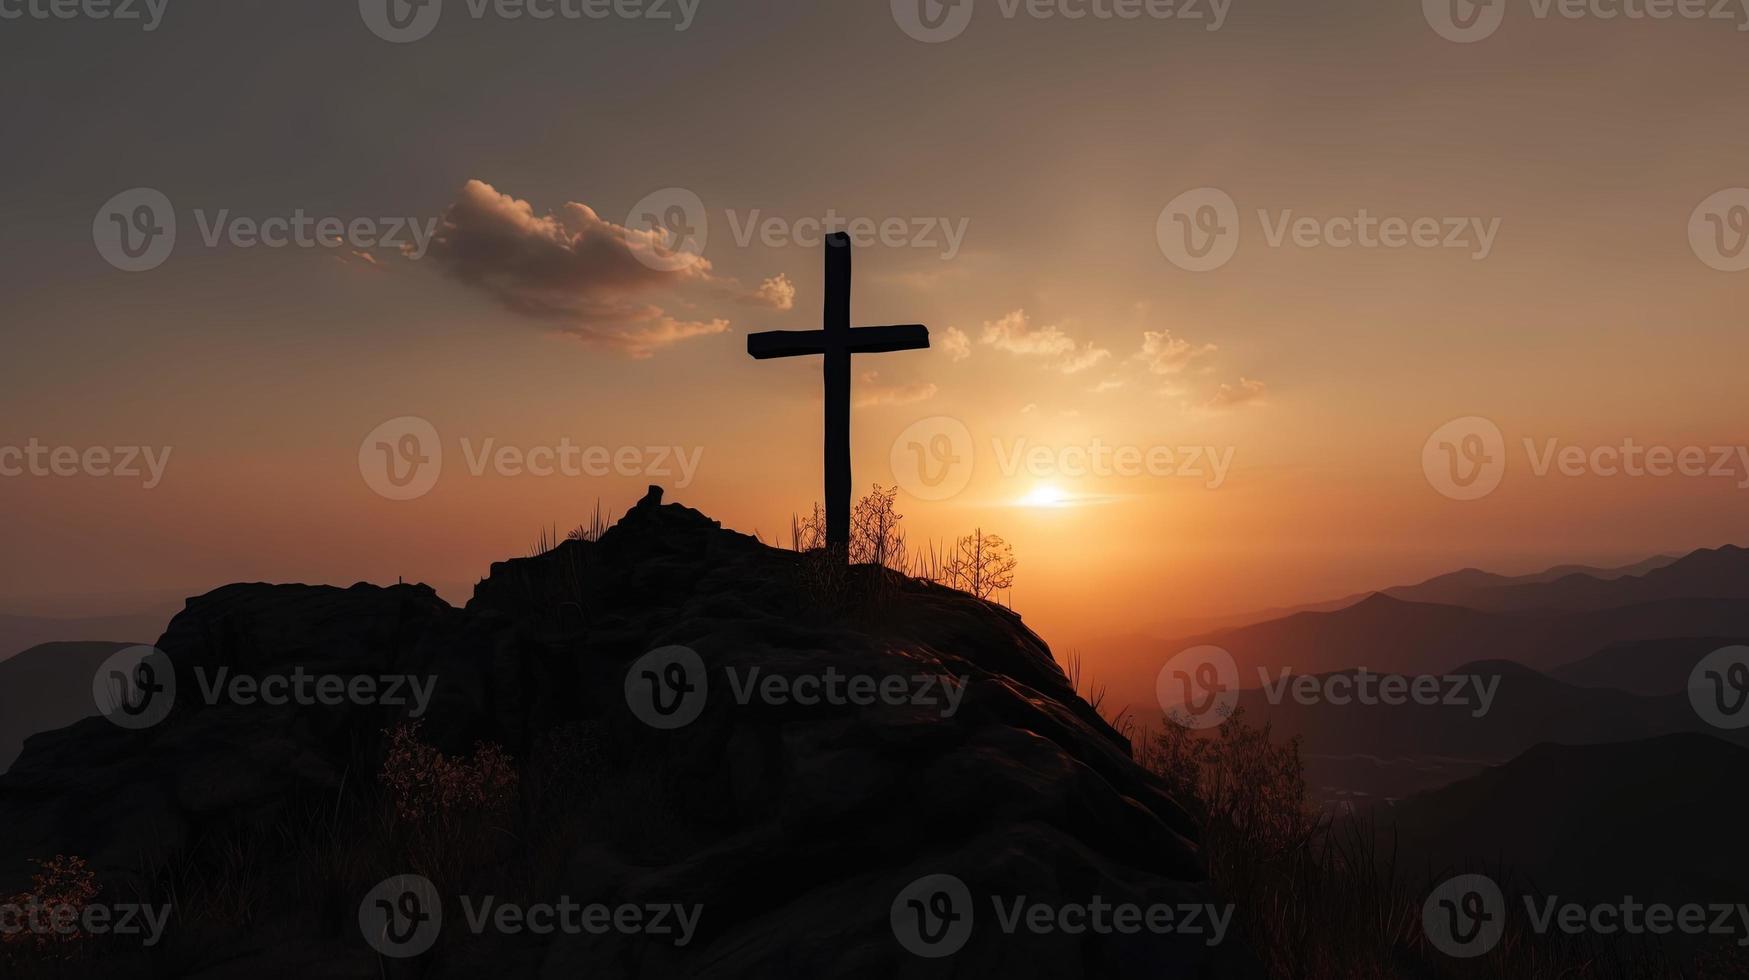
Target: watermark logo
(935, 21)
(676, 229)
(1097, 458)
(402, 917)
(1467, 21)
(1198, 230)
(1199, 687)
(666, 688)
(135, 687)
(672, 921)
(1718, 230)
(1465, 459)
(401, 21)
(932, 916)
(832, 686)
(1474, 692)
(1465, 916)
(932, 21)
(135, 231)
(402, 458)
(1719, 688)
(405, 21)
(933, 458)
(1464, 21)
(942, 234)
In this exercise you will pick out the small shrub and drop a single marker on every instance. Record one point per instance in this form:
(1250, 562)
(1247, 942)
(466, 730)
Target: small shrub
(425, 784)
(60, 890)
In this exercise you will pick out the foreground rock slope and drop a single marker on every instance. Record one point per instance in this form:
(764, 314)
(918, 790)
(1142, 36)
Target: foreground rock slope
(794, 826)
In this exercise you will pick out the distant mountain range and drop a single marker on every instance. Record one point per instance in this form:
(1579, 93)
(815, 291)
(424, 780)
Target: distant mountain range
(1660, 819)
(1466, 587)
(1580, 655)
(1660, 666)
(1386, 634)
(45, 688)
(1551, 621)
(22, 632)
(1392, 750)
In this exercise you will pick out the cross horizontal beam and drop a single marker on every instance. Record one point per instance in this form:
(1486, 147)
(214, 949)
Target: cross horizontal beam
(861, 340)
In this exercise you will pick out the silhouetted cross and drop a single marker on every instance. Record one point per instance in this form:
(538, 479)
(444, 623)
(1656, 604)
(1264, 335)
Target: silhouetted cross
(837, 340)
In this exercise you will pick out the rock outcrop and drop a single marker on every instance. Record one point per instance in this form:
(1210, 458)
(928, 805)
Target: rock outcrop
(792, 816)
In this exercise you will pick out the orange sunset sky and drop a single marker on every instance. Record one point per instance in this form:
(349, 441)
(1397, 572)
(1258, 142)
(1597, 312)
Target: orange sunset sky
(1319, 372)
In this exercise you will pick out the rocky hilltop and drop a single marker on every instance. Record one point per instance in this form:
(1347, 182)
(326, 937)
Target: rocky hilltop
(689, 717)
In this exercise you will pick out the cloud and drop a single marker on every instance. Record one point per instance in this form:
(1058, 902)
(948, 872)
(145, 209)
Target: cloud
(870, 392)
(1083, 359)
(956, 343)
(586, 276)
(1109, 384)
(1163, 353)
(777, 292)
(1015, 334)
(1246, 392)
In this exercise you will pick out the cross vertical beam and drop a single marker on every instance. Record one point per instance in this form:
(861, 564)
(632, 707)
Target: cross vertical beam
(836, 323)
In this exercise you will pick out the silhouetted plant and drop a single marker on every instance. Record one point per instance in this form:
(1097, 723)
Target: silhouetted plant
(425, 784)
(808, 533)
(591, 531)
(875, 537)
(59, 892)
(1094, 694)
(981, 564)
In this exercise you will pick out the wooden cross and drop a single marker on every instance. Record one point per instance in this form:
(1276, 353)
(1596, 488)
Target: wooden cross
(837, 340)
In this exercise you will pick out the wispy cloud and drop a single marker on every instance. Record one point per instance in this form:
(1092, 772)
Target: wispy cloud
(1247, 391)
(1163, 353)
(1015, 334)
(581, 274)
(956, 343)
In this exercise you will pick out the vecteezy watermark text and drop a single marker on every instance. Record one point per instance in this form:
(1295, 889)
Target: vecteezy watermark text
(123, 462)
(135, 231)
(402, 917)
(941, 234)
(1468, 21)
(667, 920)
(402, 459)
(150, 13)
(667, 688)
(934, 459)
(136, 688)
(1199, 230)
(935, 21)
(1465, 917)
(934, 916)
(39, 918)
(1363, 687)
(1465, 459)
(405, 21)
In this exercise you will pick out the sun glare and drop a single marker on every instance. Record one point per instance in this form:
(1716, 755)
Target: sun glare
(1044, 495)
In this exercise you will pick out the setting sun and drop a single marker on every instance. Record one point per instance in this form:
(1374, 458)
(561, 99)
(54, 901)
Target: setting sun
(1045, 495)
